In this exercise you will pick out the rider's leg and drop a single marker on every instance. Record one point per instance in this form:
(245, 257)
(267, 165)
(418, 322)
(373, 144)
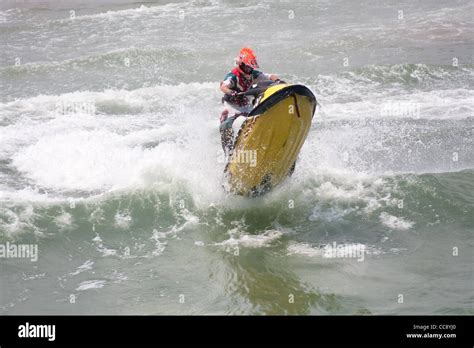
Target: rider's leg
(227, 133)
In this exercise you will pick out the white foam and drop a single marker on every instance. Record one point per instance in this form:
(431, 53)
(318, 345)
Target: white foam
(10, 221)
(160, 244)
(90, 284)
(334, 214)
(174, 142)
(305, 250)
(63, 220)
(14, 221)
(102, 249)
(100, 153)
(396, 223)
(28, 195)
(86, 266)
(123, 219)
(82, 161)
(342, 188)
(119, 277)
(179, 10)
(438, 104)
(252, 241)
(5, 16)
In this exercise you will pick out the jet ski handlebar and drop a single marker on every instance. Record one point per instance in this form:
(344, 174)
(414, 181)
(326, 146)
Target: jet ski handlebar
(260, 87)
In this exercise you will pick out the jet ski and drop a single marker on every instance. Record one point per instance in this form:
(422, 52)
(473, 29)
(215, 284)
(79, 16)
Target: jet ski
(270, 139)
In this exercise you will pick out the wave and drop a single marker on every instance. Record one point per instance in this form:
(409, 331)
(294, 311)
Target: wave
(390, 80)
(326, 202)
(148, 57)
(428, 91)
(178, 9)
(118, 138)
(418, 91)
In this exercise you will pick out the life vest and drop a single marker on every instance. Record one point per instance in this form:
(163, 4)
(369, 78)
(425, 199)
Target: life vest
(243, 83)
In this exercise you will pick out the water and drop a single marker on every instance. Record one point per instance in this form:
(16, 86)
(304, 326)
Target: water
(109, 159)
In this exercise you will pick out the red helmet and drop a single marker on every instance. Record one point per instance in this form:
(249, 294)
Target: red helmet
(247, 57)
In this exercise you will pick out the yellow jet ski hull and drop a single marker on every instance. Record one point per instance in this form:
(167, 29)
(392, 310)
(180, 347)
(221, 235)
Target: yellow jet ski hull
(270, 139)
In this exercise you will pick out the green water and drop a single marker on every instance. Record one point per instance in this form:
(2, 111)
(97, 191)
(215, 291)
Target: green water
(110, 160)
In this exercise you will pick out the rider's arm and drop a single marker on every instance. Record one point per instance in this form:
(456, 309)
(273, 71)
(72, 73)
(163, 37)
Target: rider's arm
(261, 76)
(225, 89)
(228, 84)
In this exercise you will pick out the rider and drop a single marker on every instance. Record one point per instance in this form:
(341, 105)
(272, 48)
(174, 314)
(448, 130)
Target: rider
(239, 80)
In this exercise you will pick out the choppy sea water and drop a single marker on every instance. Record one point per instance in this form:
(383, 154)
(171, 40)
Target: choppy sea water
(110, 159)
